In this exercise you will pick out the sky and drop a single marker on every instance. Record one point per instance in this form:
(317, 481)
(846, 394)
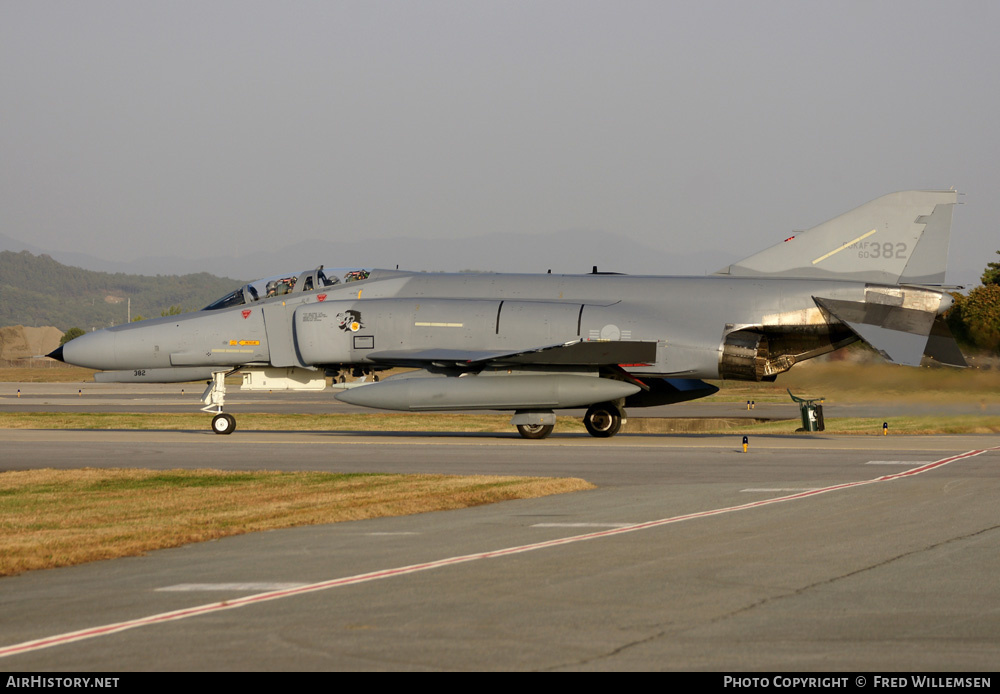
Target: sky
(211, 127)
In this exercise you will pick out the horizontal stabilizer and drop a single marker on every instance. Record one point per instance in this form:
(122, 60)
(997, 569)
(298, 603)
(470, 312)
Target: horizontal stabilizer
(941, 345)
(575, 353)
(901, 335)
(900, 238)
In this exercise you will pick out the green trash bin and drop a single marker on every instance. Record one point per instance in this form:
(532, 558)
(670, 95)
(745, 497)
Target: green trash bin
(812, 412)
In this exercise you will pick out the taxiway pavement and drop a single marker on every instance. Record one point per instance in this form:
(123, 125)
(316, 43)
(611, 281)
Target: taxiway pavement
(809, 552)
(186, 398)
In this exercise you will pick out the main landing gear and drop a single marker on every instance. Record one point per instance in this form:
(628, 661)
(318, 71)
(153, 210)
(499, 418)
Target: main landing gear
(214, 398)
(534, 424)
(534, 431)
(603, 420)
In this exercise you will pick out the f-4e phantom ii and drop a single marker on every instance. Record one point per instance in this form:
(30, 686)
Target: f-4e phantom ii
(533, 344)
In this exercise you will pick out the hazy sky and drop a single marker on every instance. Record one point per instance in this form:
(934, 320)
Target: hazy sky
(205, 128)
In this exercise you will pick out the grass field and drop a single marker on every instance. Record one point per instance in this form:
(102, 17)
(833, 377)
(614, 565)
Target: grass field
(52, 518)
(835, 380)
(849, 382)
(476, 423)
(56, 373)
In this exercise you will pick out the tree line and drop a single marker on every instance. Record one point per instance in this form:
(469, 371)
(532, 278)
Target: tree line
(975, 317)
(36, 291)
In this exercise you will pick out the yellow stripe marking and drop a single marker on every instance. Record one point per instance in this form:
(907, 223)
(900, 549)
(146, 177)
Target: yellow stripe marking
(849, 243)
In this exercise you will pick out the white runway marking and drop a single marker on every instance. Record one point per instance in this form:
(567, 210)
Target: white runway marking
(246, 587)
(753, 490)
(897, 462)
(107, 629)
(581, 525)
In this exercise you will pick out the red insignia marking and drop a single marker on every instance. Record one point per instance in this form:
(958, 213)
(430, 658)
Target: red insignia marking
(246, 313)
(321, 297)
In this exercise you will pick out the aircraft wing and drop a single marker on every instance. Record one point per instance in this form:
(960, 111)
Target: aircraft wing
(575, 352)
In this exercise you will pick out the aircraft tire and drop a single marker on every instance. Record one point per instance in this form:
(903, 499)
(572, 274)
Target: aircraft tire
(223, 423)
(603, 420)
(534, 431)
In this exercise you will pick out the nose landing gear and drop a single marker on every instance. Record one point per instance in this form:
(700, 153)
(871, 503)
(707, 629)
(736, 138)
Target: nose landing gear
(223, 423)
(214, 398)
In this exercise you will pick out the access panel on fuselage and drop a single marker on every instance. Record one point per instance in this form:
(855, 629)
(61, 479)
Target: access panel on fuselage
(537, 323)
(280, 334)
(340, 332)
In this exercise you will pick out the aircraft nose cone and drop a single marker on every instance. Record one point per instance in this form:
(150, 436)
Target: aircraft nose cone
(57, 353)
(94, 351)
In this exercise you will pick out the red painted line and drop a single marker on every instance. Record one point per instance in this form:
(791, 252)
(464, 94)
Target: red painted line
(107, 629)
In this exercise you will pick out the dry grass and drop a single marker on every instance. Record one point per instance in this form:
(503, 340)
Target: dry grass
(848, 382)
(53, 518)
(925, 424)
(837, 382)
(47, 372)
(869, 426)
(436, 422)
(462, 423)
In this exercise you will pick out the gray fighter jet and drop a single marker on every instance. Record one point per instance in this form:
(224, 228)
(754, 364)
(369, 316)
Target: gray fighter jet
(533, 344)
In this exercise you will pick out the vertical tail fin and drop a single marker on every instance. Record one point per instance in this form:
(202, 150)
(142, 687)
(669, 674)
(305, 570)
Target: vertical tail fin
(900, 238)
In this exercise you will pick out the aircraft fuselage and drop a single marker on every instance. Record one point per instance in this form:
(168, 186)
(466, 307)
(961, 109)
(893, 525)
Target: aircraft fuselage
(537, 343)
(689, 319)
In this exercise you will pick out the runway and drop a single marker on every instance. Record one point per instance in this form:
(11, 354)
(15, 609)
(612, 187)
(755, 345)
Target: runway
(675, 562)
(186, 398)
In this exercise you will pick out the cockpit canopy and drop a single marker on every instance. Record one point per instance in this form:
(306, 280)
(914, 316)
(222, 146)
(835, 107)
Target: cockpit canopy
(279, 285)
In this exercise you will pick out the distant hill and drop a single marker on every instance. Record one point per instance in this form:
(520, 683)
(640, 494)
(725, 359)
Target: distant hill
(38, 291)
(561, 251)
